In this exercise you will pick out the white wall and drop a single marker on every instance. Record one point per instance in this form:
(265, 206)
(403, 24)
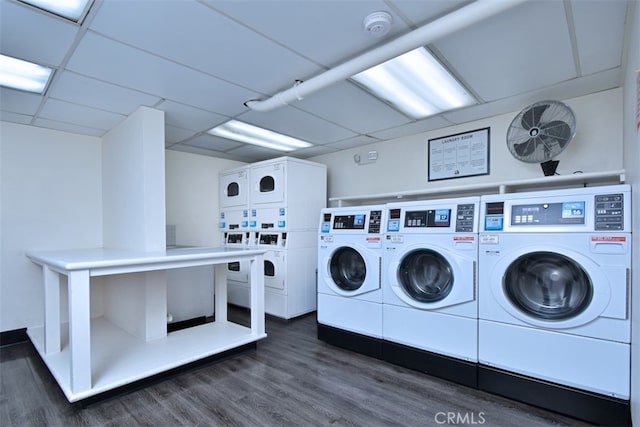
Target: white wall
(50, 199)
(402, 163)
(632, 165)
(192, 196)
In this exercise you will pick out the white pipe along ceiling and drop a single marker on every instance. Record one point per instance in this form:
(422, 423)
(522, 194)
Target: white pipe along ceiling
(470, 14)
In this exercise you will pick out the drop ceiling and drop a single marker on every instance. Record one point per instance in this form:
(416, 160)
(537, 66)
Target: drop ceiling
(200, 61)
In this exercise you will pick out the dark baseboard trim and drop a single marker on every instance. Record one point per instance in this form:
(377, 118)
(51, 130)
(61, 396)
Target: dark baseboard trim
(184, 324)
(16, 336)
(369, 346)
(448, 368)
(576, 403)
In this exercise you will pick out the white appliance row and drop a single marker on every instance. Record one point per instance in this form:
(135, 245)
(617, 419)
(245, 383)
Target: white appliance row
(526, 295)
(274, 204)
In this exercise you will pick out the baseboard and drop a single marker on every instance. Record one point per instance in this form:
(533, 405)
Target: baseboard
(448, 368)
(16, 336)
(584, 405)
(369, 346)
(184, 324)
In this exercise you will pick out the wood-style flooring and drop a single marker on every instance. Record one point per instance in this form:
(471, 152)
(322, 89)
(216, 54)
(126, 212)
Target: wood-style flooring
(292, 379)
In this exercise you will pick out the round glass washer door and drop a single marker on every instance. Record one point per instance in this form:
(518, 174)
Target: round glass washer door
(547, 286)
(348, 269)
(425, 276)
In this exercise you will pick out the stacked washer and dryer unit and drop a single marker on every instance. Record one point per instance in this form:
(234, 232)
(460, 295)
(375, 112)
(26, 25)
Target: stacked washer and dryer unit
(274, 205)
(554, 303)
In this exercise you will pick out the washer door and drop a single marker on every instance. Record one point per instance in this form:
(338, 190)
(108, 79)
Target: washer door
(557, 289)
(425, 276)
(547, 286)
(351, 271)
(431, 277)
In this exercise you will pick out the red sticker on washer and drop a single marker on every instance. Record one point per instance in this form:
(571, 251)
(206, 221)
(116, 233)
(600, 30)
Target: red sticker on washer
(373, 239)
(463, 238)
(608, 239)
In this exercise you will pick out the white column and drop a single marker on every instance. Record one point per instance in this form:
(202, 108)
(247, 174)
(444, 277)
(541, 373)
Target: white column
(80, 330)
(220, 291)
(51, 310)
(257, 294)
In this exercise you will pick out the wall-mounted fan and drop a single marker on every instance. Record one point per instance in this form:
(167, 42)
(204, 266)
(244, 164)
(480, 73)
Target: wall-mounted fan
(540, 132)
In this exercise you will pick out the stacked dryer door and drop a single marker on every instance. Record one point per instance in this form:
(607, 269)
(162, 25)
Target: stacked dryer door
(234, 199)
(429, 293)
(554, 320)
(349, 278)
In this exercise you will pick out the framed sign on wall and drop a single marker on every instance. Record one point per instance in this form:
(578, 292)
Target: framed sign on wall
(460, 155)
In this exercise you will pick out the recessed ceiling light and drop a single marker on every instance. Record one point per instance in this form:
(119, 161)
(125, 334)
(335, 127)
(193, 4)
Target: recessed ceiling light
(243, 132)
(70, 9)
(416, 84)
(18, 74)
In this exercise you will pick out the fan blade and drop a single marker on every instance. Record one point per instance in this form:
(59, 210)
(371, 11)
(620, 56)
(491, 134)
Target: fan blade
(531, 117)
(558, 130)
(525, 148)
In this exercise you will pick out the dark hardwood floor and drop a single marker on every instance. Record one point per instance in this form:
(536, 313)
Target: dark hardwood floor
(292, 379)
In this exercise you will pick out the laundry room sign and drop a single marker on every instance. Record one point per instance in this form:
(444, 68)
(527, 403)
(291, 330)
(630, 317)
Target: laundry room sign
(460, 155)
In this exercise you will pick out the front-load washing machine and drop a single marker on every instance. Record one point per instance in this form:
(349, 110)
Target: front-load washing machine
(429, 287)
(554, 292)
(349, 278)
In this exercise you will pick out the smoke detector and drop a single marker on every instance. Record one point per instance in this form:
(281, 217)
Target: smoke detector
(378, 23)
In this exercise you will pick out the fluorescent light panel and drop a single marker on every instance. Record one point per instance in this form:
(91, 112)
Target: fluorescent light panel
(416, 84)
(23, 75)
(243, 132)
(70, 9)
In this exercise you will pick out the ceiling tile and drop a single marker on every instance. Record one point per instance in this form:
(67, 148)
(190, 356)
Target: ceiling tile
(497, 57)
(33, 35)
(174, 134)
(7, 116)
(188, 117)
(424, 125)
(61, 111)
(83, 90)
(19, 102)
(299, 124)
(346, 104)
(68, 127)
(114, 62)
(233, 57)
(417, 13)
(356, 141)
(328, 32)
(602, 49)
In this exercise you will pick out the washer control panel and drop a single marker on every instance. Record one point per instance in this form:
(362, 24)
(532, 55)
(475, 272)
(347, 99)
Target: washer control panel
(609, 212)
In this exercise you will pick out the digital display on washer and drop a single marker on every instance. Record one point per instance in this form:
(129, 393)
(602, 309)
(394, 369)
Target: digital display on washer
(428, 218)
(349, 222)
(548, 214)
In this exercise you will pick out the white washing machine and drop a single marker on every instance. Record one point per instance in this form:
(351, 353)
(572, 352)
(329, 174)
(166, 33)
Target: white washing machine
(554, 312)
(349, 278)
(429, 293)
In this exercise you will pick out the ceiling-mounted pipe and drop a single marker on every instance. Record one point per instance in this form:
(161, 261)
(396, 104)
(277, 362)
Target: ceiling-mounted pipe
(470, 14)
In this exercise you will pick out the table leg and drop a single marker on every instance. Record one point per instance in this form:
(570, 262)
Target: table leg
(80, 330)
(256, 281)
(51, 310)
(220, 291)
